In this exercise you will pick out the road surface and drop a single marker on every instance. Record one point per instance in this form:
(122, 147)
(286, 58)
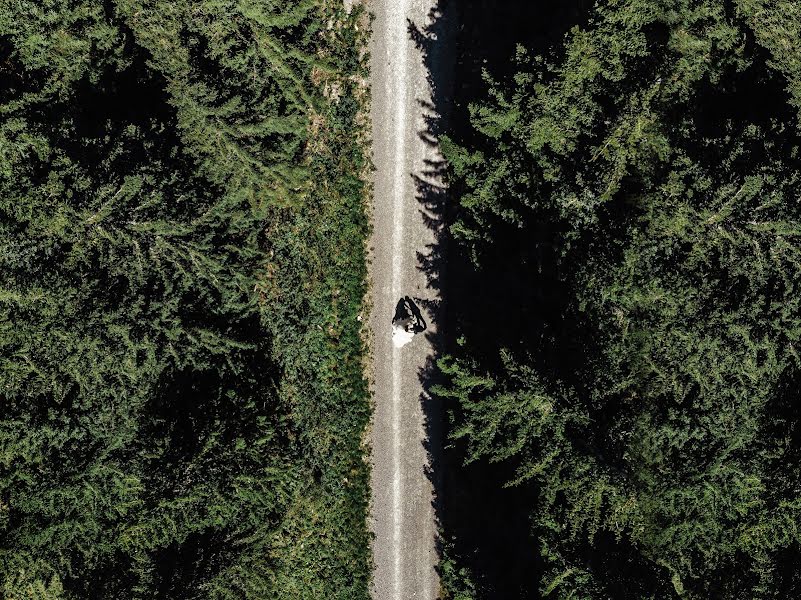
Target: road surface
(404, 261)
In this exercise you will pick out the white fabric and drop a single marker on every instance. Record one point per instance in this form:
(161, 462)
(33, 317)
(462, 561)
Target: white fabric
(401, 337)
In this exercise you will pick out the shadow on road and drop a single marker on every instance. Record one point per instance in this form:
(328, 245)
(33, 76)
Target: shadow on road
(436, 42)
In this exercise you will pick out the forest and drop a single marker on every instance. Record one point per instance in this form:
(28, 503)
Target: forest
(183, 402)
(182, 226)
(624, 294)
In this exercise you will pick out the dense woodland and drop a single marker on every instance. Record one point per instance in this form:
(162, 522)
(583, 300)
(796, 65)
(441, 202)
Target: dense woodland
(627, 365)
(182, 234)
(182, 270)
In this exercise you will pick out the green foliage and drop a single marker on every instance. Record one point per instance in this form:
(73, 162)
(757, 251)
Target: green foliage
(777, 27)
(654, 409)
(162, 386)
(455, 581)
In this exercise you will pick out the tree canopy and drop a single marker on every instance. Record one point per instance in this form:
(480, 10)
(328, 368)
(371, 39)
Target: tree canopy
(182, 230)
(648, 175)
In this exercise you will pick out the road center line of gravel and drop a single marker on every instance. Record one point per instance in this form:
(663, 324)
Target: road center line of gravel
(398, 48)
(399, 58)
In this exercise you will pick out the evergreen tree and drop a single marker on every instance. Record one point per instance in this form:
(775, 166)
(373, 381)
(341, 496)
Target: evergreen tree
(156, 161)
(651, 174)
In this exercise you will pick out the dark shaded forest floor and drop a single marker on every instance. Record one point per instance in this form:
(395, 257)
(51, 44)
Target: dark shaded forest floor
(487, 523)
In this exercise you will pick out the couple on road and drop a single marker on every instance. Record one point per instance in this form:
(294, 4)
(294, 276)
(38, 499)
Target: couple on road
(407, 322)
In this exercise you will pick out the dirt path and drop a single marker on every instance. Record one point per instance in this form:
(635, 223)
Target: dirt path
(406, 424)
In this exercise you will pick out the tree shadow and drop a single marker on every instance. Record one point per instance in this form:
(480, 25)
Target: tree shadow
(435, 41)
(485, 524)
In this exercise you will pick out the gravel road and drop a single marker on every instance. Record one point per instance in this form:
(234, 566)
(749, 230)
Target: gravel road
(406, 423)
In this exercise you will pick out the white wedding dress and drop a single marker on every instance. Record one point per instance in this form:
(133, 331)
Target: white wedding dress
(401, 337)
